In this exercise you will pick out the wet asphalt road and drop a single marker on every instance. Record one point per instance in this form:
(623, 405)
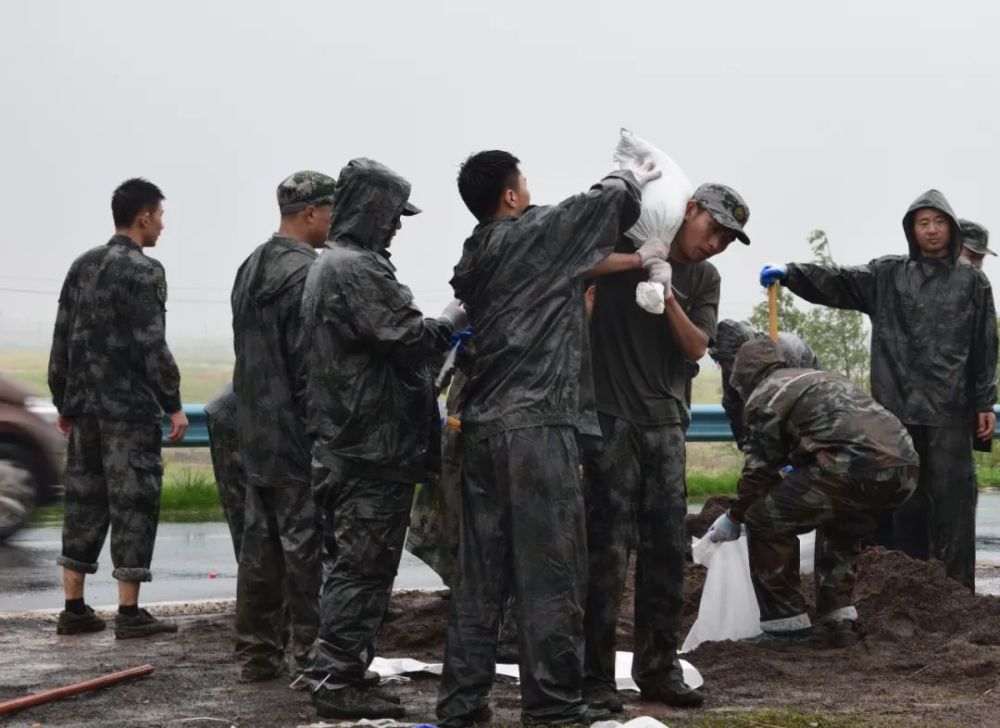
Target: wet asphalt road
(186, 556)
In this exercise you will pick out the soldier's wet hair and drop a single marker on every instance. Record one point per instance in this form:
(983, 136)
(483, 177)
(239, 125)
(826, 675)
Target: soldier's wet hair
(132, 198)
(483, 178)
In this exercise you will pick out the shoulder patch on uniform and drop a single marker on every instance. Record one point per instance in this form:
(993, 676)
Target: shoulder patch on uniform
(161, 290)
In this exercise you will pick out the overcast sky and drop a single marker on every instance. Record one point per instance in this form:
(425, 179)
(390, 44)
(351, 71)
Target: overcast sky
(832, 115)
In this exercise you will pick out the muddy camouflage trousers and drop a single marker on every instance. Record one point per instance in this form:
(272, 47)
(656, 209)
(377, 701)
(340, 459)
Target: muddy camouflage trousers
(636, 503)
(364, 525)
(843, 510)
(433, 535)
(114, 477)
(230, 480)
(939, 521)
(278, 580)
(522, 531)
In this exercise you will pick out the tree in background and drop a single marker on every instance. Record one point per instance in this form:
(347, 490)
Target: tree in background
(839, 338)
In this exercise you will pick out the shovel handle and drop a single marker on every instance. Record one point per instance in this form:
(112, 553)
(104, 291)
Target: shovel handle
(772, 311)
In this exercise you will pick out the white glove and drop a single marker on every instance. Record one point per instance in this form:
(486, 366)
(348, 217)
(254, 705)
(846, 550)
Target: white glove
(652, 249)
(644, 171)
(724, 529)
(454, 314)
(659, 272)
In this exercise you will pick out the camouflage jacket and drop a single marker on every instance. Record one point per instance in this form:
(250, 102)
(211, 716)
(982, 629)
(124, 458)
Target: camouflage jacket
(371, 406)
(809, 418)
(269, 374)
(520, 279)
(109, 355)
(934, 329)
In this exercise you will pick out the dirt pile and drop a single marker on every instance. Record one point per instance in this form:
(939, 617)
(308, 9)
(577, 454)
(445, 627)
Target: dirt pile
(699, 523)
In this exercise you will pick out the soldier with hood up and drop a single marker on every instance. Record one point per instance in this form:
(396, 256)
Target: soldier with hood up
(934, 359)
(279, 566)
(729, 337)
(373, 418)
(851, 459)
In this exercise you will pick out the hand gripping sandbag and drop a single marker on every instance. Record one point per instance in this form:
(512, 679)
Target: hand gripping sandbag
(728, 608)
(664, 199)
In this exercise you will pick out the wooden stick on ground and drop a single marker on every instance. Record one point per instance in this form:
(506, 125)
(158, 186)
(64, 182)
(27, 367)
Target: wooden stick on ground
(75, 689)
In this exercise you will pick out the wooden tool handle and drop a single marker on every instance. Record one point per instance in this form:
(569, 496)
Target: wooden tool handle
(772, 311)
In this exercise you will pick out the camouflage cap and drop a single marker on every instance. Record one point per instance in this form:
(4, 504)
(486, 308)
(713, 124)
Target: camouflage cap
(305, 188)
(725, 206)
(975, 237)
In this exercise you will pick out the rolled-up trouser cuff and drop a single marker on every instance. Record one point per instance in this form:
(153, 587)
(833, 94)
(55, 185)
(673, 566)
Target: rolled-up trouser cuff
(787, 624)
(840, 614)
(73, 565)
(136, 574)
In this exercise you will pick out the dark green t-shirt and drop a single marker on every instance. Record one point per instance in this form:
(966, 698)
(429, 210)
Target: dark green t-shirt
(640, 374)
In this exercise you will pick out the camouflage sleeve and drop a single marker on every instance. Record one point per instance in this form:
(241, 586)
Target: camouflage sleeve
(983, 357)
(584, 229)
(732, 404)
(851, 287)
(292, 335)
(383, 314)
(149, 332)
(59, 355)
(764, 453)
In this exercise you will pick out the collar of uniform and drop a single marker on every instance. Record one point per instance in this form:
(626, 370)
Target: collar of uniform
(293, 243)
(118, 239)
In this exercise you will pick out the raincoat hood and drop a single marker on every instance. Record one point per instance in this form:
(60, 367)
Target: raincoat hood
(755, 361)
(369, 201)
(730, 336)
(937, 201)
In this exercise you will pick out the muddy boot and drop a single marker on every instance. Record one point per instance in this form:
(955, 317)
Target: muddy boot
(673, 691)
(354, 701)
(482, 716)
(72, 623)
(143, 624)
(843, 633)
(604, 699)
(260, 669)
(793, 639)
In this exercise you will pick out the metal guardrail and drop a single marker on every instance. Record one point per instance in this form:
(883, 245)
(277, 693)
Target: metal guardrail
(708, 424)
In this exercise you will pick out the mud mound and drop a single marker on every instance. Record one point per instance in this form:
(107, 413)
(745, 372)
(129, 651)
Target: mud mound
(699, 523)
(903, 599)
(419, 629)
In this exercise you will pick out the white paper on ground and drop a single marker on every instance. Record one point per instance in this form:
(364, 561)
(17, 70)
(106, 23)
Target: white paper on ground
(643, 721)
(389, 666)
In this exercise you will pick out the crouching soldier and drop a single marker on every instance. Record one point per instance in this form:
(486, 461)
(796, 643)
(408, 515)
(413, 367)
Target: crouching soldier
(852, 460)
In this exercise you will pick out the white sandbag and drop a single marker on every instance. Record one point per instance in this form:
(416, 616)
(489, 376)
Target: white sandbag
(807, 552)
(649, 296)
(643, 721)
(728, 608)
(664, 199)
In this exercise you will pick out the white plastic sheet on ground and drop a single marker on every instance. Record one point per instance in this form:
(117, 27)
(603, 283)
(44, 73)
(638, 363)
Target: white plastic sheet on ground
(643, 721)
(388, 667)
(728, 608)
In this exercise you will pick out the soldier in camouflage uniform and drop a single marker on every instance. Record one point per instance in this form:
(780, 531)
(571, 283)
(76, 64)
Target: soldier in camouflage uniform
(374, 420)
(975, 243)
(934, 361)
(852, 459)
(728, 340)
(230, 480)
(112, 377)
(279, 565)
(634, 486)
(522, 523)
